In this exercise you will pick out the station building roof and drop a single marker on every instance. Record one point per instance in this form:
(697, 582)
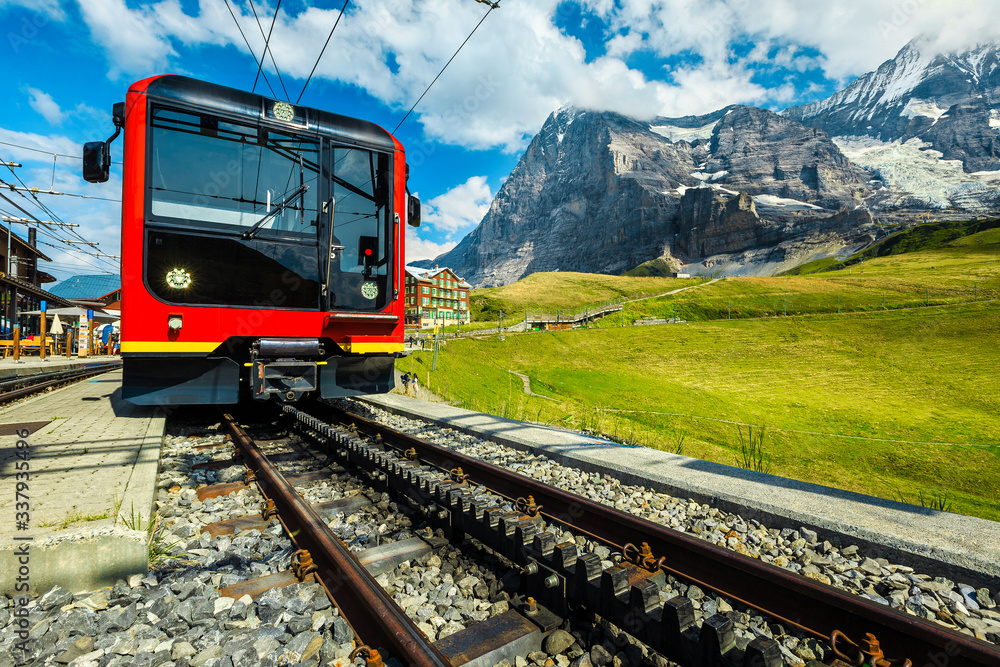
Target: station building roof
(87, 287)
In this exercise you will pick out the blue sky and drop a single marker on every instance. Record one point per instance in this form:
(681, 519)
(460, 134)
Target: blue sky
(68, 62)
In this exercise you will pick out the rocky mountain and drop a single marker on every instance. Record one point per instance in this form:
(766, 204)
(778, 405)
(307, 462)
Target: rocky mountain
(743, 190)
(925, 126)
(951, 101)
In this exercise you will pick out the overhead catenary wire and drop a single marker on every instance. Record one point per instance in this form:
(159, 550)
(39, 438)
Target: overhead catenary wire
(320, 56)
(493, 6)
(39, 150)
(46, 229)
(39, 191)
(249, 48)
(37, 201)
(267, 49)
(48, 232)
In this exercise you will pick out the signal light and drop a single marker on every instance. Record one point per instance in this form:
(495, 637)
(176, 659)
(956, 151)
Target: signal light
(367, 245)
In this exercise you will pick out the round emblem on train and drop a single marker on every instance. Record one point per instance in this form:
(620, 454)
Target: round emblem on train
(369, 289)
(178, 279)
(283, 111)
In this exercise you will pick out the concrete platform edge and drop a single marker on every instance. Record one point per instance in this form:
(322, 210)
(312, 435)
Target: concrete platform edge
(99, 554)
(955, 563)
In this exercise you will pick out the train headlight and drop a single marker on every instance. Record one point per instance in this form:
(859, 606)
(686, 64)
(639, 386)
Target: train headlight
(178, 278)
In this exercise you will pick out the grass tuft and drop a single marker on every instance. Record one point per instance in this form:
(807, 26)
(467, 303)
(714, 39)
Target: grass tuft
(750, 450)
(158, 549)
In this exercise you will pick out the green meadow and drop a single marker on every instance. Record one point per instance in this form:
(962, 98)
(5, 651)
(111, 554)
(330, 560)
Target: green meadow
(900, 401)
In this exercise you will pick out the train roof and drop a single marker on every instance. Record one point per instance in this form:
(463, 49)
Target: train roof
(241, 103)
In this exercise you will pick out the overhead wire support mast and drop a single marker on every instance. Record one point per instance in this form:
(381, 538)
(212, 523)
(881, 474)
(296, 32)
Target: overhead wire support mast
(492, 5)
(33, 221)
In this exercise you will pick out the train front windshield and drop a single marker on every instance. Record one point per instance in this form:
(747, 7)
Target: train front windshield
(244, 215)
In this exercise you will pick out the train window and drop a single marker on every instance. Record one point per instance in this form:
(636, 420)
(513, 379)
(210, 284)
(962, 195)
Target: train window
(359, 276)
(213, 173)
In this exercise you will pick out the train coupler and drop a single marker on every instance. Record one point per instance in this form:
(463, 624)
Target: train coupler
(288, 379)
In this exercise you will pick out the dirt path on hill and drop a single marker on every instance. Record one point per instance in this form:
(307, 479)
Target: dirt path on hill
(679, 289)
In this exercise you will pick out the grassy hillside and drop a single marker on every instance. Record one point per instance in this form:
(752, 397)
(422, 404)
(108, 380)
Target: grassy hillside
(902, 404)
(556, 291)
(964, 270)
(932, 236)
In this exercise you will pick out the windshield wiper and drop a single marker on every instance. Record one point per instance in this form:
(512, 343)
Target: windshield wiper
(296, 193)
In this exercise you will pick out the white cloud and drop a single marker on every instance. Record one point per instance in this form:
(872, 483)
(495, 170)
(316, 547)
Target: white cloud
(853, 36)
(418, 248)
(38, 142)
(519, 66)
(134, 39)
(43, 103)
(459, 209)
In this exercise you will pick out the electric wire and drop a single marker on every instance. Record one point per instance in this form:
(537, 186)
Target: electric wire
(318, 58)
(73, 266)
(267, 49)
(39, 191)
(52, 215)
(488, 11)
(39, 150)
(249, 48)
(46, 229)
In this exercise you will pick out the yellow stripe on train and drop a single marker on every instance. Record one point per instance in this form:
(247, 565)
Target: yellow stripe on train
(160, 347)
(157, 346)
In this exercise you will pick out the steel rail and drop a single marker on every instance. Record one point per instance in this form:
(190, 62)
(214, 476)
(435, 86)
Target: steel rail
(57, 377)
(376, 618)
(815, 608)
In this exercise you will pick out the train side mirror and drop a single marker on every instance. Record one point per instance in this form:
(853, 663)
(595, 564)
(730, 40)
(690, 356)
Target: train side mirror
(96, 162)
(413, 211)
(97, 154)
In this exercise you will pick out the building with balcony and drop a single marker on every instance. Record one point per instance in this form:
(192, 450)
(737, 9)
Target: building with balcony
(436, 297)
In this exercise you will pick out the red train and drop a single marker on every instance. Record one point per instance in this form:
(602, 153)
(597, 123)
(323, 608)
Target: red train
(262, 246)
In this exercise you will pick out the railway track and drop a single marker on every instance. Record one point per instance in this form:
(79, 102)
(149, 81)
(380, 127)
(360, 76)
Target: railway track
(25, 385)
(508, 513)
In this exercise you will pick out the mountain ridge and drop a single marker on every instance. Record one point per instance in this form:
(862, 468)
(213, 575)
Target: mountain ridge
(742, 189)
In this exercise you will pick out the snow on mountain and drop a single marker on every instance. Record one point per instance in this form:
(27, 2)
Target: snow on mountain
(916, 176)
(689, 134)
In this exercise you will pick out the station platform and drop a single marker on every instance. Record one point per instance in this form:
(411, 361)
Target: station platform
(956, 546)
(29, 365)
(89, 454)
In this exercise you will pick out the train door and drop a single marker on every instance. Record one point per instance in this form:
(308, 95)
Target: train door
(358, 229)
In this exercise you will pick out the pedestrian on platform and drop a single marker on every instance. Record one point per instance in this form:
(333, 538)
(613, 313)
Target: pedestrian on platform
(416, 386)
(406, 384)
